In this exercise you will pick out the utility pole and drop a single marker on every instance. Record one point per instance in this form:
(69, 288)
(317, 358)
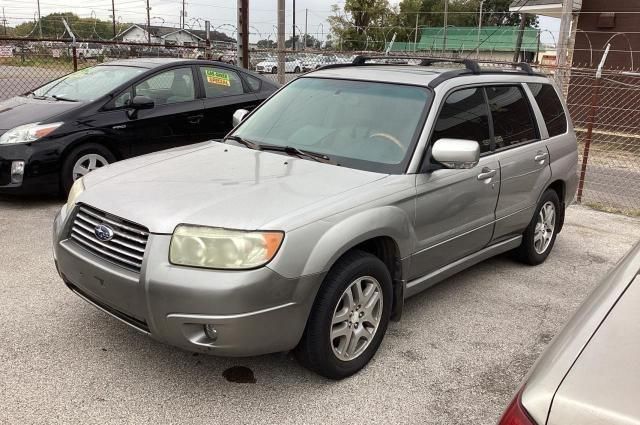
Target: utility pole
(39, 20)
(183, 15)
(306, 19)
(415, 36)
(563, 42)
(113, 11)
(523, 23)
(281, 41)
(479, 30)
(148, 23)
(4, 22)
(243, 34)
(293, 39)
(444, 31)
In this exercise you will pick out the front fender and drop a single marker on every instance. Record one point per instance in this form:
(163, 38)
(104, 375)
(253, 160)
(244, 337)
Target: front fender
(313, 249)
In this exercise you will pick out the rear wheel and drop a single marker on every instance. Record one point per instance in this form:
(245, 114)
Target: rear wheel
(540, 236)
(274, 70)
(81, 161)
(349, 318)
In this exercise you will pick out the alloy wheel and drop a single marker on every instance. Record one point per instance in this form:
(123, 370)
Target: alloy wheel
(87, 163)
(356, 318)
(545, 226)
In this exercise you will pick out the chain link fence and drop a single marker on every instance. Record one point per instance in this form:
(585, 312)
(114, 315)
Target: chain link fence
(605, 111)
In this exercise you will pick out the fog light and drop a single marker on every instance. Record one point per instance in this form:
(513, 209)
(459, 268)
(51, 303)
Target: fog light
(17, 171)
(210, 332)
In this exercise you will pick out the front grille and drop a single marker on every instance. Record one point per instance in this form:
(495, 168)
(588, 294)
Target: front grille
(126, 247)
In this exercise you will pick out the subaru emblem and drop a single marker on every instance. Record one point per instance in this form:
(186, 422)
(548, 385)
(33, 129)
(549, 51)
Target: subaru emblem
(103, 232)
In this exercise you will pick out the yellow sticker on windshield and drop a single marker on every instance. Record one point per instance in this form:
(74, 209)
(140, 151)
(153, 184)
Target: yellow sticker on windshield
(218, 78)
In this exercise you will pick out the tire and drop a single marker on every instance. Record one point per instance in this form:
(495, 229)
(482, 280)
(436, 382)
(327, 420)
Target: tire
(83, 154)
(297, 70)
(322, 348)
(274, 70)
(540, 236)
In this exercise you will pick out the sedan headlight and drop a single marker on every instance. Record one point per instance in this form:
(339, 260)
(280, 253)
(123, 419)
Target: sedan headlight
(28, 133)
(218, 248)
(76, 190)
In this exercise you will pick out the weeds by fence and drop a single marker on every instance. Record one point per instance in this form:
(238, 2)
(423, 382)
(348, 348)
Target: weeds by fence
(605, 111)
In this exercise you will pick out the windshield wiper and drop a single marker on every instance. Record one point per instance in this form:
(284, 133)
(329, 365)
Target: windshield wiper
(290, 150)
(248, 143)
(56, 97)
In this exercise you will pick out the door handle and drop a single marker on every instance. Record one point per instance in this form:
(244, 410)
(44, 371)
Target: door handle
(194, 119)
(487, 173)
(541, 156)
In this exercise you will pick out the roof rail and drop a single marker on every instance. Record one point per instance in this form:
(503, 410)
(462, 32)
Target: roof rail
(471, 67)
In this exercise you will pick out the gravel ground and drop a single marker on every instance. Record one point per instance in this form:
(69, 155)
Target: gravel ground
(455, 358)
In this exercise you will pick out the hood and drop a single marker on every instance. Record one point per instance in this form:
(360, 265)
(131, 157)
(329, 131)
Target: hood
(218, 185)
(24, 110)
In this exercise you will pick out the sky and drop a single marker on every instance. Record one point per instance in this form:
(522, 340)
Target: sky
(221, 13)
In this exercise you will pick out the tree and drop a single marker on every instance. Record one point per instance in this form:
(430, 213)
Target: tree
(359, 22)
(267, 44)
(52, 27)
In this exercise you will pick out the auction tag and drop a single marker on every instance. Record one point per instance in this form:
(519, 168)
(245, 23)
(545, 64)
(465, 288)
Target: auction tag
(218, 78)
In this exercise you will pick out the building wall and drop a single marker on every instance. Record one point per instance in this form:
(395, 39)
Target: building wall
(590, 28)
(180, 38)
(138, 35)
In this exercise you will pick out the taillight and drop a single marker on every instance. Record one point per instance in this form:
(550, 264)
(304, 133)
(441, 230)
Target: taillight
(515, 413)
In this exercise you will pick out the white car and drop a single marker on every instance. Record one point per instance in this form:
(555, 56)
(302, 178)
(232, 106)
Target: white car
(271, 66)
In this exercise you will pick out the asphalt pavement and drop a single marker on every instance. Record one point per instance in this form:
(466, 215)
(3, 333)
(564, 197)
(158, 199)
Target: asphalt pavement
(456, 357)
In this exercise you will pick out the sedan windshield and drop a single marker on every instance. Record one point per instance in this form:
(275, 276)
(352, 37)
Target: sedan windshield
(366, 125)
(89, 83)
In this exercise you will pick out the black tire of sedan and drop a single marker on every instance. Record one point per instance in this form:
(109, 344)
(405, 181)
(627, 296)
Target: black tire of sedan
(349, 317)
(89, 156)
(297, 70)
(274, 70)
(540, 236)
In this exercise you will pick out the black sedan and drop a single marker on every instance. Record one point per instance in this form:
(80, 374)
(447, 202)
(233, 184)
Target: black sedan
(85, 120)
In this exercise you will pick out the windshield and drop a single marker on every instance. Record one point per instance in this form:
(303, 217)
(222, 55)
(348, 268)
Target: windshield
(365, 125)
(89, 83)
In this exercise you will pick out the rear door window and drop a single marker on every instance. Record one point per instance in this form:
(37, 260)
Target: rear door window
(513, 121)
(551, 108)
(220, 82)
(464, 115)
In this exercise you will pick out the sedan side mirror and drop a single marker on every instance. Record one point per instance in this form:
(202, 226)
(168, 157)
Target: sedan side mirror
(456, 153)
(238, 116)
(142, 102)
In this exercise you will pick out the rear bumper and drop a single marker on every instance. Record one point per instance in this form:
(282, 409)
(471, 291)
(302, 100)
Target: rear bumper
(253, 312)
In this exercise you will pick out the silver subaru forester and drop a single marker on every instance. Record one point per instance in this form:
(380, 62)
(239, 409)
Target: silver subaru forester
(349, 190)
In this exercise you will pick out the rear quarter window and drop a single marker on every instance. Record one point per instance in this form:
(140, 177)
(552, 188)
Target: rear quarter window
(551, 108)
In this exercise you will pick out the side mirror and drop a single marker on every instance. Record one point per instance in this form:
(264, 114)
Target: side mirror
(142, 102)
(456, 153)
(238, 116)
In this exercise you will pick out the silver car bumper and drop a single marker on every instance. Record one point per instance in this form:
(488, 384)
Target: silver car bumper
(253, 312)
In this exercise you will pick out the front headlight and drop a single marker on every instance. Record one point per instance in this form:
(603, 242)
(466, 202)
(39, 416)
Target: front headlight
(218, 248)
(28, 133)
(76, 189)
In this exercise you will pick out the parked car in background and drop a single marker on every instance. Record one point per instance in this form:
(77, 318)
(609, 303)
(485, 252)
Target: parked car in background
(270, 66)
(318, 61)
(314, 220)
(85, 120)
(590, 374)
(89, 50)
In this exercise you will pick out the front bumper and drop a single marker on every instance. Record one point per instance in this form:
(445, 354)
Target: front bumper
(253, 312)
(41, 168)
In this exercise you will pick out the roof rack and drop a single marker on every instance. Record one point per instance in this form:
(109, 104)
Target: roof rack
(471, 67)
